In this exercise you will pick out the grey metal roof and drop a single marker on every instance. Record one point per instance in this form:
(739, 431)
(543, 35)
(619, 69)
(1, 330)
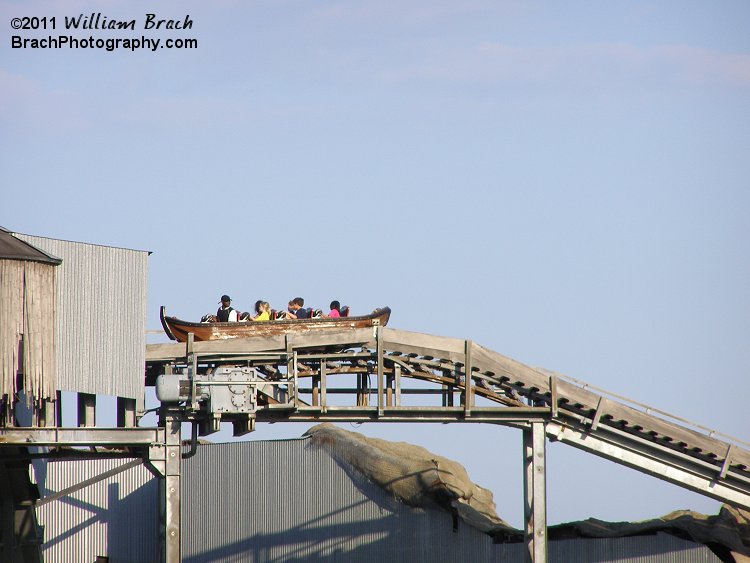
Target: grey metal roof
(12, 248)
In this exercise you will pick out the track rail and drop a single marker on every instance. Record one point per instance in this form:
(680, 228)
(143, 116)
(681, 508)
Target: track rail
(498, 389)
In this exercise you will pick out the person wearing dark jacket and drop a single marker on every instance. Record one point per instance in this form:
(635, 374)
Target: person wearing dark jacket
(297, 309)
(226, 314)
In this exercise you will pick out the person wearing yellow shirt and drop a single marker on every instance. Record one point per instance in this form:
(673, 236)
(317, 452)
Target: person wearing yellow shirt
(263, 310)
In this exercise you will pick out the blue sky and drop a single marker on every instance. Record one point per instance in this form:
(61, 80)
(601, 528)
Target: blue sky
(564, 183)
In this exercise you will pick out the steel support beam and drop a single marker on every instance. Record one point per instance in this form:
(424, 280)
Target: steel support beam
(171, 498)
(654, 460)
(164, 461)
(37, 436)
(507, 415)
(535, 492)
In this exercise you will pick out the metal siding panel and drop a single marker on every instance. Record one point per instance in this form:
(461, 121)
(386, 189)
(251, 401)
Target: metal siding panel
(285, 501)
(117, 517)
(659, 548)
(101, 317)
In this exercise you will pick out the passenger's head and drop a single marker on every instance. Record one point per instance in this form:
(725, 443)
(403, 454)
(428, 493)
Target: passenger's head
(225, 300)
(299, 301)
(335, 305)
(257, 305)
(265, 306)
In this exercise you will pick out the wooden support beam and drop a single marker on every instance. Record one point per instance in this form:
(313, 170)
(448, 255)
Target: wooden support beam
(125, 412)
(193, 361)
(727, 461)
(379, 352)
(535, 492)
(598, 413)
(47, 416)
(86, 410)
(323, 387)
(295, 395)
(316, 388)
(468, 394)
(553, 394)
(397, 376)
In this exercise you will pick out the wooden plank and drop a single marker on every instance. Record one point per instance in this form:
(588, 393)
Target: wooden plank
(516, 372)
(351, 337)
(323, 387)
(468, 396)
(651, 424)
(86, 410)
(316, 390)
(598, 415)
(167, 352)
(397, 376)
(553, 391)
(423, 344)
(172, 351)
(379, 351)
(727, 461)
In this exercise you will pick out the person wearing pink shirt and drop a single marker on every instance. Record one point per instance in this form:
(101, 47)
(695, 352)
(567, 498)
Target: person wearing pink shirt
(335, 310)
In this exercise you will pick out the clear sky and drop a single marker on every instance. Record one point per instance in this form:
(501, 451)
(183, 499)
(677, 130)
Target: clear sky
(563, 182)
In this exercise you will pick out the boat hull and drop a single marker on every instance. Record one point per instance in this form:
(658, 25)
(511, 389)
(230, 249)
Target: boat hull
(178, 329)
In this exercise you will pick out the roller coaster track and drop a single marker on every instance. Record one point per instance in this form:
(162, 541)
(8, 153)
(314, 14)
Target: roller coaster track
(498, 389)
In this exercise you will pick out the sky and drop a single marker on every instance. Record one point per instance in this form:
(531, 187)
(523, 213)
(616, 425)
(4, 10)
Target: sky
(563, 183)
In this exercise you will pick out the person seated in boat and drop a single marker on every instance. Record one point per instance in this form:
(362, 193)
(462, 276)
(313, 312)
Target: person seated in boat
(335, 310)
(263, 311)
(225, 313)
(297, 309)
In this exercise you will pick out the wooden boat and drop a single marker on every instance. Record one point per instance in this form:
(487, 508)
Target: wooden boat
(178, 329)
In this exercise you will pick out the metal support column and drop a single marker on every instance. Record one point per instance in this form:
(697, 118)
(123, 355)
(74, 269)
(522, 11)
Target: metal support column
(164, 462)
(172, 490)
(535, 492)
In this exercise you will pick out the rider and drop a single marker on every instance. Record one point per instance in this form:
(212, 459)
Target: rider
(225, 313)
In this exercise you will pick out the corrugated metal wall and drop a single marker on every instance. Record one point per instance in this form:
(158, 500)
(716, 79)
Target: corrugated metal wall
(118, 516)
(660, 548)
(101, 317)
(284, 501)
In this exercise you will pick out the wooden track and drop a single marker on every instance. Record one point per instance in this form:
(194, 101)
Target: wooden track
(382, 359)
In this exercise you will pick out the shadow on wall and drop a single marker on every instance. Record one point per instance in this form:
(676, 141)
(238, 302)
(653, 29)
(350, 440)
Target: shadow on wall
(125, 529)
(393, 537)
